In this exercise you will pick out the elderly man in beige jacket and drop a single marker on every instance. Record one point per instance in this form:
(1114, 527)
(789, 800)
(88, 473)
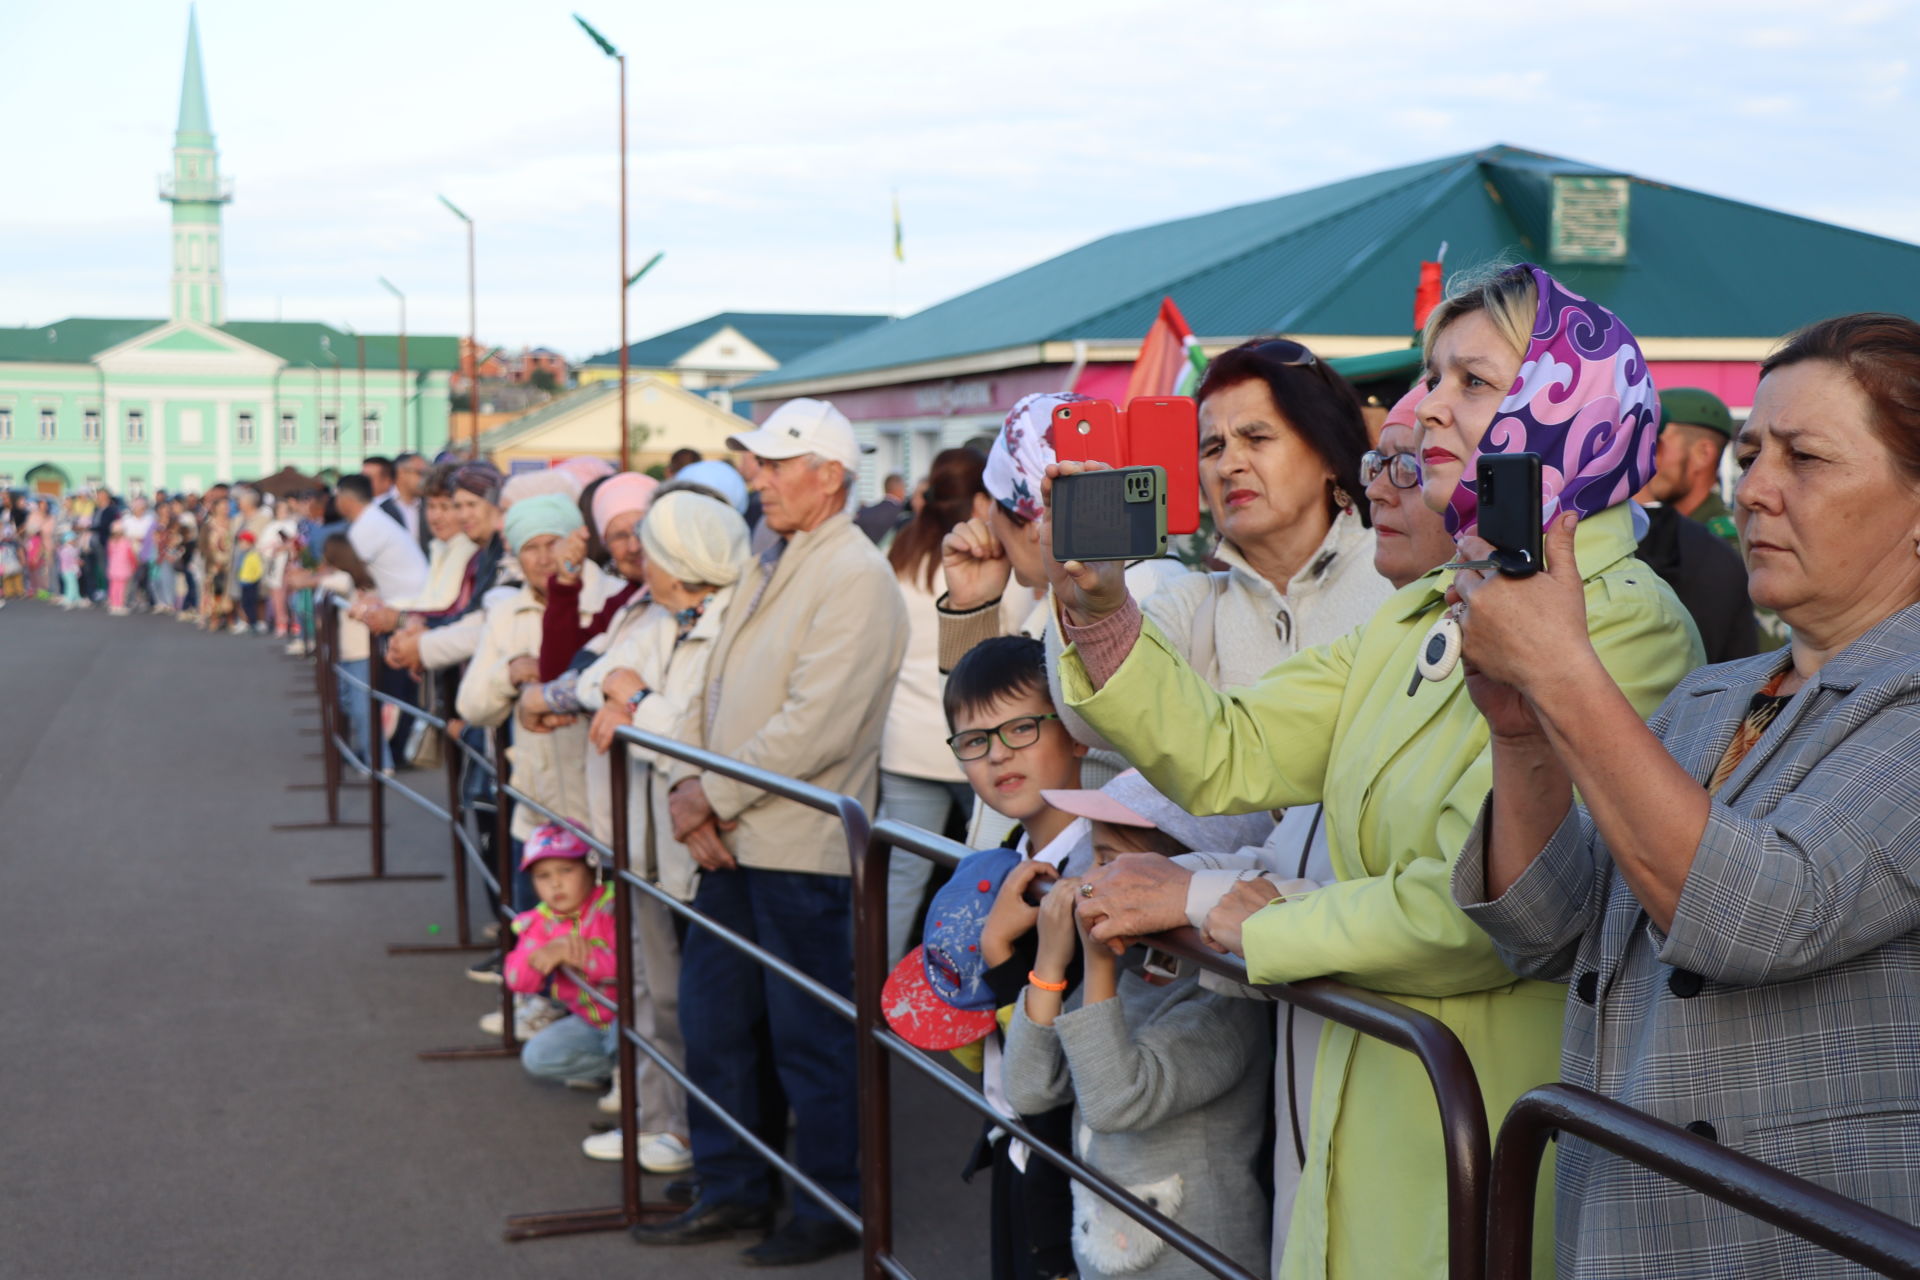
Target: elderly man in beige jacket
(799, 683)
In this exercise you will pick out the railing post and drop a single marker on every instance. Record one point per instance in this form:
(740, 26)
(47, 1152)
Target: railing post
(327, 650)
(376, 794)
(504, 868)
(456, 822)
(874, 1077)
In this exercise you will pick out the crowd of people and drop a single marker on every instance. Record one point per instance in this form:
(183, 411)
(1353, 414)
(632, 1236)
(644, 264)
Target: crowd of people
(1656, 833)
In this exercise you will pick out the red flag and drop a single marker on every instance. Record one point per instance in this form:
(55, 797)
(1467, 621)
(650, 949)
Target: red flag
(1170, 360)
(1427, 296)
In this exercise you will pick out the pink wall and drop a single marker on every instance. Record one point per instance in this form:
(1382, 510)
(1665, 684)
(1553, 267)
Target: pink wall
(1733, 381)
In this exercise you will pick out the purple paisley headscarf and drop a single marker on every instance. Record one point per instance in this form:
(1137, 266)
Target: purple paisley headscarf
(1583, 401)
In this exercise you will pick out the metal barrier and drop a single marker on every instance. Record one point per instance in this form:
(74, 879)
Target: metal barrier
(1490, 1199)
(1845, 1227)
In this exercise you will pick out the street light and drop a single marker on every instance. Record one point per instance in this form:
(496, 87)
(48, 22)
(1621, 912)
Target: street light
(466, 357)
(389, 287)
(606, 47)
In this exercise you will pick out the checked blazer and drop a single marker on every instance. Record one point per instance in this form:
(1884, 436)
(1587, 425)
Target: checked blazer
(1780, 1015)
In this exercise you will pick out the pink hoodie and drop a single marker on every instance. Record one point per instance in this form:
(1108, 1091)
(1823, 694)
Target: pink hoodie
(540, 926)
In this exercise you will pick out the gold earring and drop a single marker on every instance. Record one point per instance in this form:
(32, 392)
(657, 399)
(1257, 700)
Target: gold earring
(1341, 498)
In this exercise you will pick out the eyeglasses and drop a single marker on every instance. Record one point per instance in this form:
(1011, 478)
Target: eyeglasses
(1021, 731)
(1402, 469)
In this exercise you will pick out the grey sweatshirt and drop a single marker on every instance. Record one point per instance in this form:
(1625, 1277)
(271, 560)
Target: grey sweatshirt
(1170, 1092)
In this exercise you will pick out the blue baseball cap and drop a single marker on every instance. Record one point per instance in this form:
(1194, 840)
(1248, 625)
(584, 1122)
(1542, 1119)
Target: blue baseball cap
(951, 951)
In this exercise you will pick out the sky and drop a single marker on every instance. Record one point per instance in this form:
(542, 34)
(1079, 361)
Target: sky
(766, 140)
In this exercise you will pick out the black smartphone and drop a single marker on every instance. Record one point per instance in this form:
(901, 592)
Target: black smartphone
(1110, 515)
(1509, 490)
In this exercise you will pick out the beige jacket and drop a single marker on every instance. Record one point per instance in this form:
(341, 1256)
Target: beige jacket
(549, 767)
(805, 683)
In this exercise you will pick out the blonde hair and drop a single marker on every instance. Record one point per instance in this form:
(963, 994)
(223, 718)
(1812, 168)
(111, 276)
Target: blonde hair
(1508, 296)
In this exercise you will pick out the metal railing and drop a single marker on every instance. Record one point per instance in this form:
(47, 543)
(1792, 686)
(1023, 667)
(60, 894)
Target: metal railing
(1854, 1231)
(1490, 1193)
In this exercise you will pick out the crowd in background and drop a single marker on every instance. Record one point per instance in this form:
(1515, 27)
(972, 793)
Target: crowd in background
(1341, 743)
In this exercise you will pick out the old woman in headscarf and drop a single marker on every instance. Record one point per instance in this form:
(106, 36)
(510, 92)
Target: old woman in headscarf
(1515, 362)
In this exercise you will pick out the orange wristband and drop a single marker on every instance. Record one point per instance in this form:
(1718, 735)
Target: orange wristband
(1035, 980)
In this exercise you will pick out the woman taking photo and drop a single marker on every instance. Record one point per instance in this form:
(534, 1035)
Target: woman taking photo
(1735, 898)
(1400, 777)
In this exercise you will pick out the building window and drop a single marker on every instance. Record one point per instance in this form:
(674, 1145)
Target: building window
(6, 482)
(289, 429)
(6, 424)
(48, 424)
(136, 427)
(243, 429)
(330, 429)
(370, 428)
(89, 426)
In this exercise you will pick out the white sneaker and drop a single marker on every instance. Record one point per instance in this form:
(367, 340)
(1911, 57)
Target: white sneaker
(297, 649)
(609, 1104)
(601, 1146)
(531, 1015)
(664, 1153)
(584, 1084)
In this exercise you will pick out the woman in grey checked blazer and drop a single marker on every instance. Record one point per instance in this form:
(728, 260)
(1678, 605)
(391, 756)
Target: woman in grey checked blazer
(1735, 903)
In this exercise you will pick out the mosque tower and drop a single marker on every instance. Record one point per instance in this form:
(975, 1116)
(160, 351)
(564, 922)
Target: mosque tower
(196, 191)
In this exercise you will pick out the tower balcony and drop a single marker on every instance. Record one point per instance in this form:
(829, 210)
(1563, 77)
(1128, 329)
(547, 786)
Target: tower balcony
(175, 190)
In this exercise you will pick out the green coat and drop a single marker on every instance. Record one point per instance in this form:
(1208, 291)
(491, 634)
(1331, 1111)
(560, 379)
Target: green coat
(1402, 780)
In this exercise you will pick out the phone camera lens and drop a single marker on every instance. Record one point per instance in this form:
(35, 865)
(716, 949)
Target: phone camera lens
(1084, 427)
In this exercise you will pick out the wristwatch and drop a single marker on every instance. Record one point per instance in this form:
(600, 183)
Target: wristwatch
(639, 696)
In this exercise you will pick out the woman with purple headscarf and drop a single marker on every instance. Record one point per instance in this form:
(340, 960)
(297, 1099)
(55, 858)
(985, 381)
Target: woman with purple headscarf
(1514, 362)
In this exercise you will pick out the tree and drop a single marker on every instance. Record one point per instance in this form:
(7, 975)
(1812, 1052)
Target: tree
(544, 380)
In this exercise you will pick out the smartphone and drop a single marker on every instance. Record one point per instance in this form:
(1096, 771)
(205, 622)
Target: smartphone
(1509, 490)
(1159, 964)
(1153, 431)
(1110, 515)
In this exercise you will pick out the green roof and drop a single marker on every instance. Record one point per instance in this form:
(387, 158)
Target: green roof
(79, 339)
(1344, 259)
(781, 334)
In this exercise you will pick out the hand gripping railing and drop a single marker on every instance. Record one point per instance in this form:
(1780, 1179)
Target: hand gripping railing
(1463, 1116)
(1846, 1227)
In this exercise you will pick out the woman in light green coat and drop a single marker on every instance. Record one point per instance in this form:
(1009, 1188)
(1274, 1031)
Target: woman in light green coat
(1402, 776)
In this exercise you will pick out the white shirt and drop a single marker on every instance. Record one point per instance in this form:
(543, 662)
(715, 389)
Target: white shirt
(409, 513)
(399, 569)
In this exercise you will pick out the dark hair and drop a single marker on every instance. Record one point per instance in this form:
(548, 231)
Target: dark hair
(440, 480)
(339, 553)
(357, 485)
(683, 458)
(380, 463)
(403, 457)
(952, 481)
(1003, 667)
(1316, 402)
(1881, 352)
(596, 549)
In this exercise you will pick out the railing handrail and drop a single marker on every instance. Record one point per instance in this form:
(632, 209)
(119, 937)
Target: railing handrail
(1855, 1231)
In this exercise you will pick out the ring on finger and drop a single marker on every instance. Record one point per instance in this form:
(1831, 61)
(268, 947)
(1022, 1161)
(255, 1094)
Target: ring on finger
(1086, 889)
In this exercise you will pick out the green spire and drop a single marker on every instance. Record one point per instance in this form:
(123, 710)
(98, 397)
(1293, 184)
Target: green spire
(193, 88)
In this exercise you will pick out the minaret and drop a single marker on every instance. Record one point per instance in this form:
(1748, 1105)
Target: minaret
(196, 192)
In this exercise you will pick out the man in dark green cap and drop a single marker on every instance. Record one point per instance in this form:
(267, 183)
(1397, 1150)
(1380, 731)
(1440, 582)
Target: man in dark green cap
(1694, 430)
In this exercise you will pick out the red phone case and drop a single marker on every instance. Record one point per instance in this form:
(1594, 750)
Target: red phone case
(1164, 431)
(1154, 431)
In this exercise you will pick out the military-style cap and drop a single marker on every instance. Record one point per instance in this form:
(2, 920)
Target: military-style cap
(1696, 408)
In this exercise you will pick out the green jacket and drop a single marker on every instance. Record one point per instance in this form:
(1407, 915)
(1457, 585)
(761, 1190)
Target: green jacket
(1402, 780)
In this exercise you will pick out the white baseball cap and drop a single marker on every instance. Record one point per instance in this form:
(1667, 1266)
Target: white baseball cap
(803, 426)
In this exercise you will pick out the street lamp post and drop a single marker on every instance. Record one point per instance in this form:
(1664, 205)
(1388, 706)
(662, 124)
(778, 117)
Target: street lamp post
(472, 368)
(606, 47)
(388, 285)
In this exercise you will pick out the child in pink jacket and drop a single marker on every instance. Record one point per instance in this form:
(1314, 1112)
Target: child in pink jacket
(122, 559)
(572, 927)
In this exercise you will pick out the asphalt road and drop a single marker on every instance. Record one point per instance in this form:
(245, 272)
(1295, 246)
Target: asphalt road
(207, 1065)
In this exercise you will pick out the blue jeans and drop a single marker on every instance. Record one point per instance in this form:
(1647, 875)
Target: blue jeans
(570, 1049)
(356, 704)
(725, 998)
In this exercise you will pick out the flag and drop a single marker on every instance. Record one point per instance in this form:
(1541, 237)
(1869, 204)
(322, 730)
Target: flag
(899, 244)
(1427, 295)
(1170, 362)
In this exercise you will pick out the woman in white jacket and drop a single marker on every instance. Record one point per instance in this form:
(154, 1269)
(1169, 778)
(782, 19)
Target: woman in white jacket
(652, 678)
